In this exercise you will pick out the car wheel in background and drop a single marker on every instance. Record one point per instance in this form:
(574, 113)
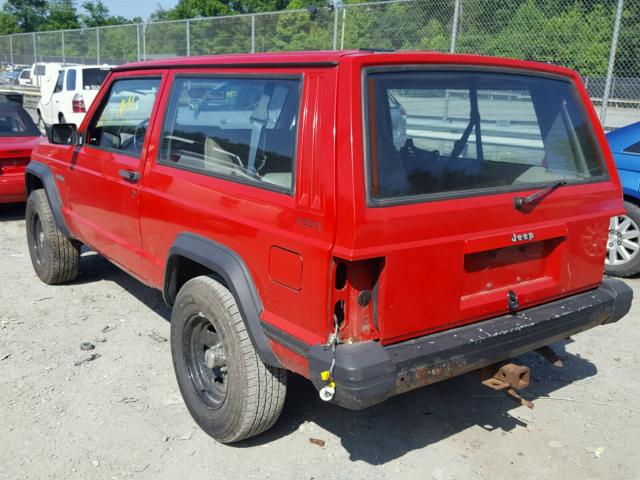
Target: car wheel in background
(623, 244)
(55, 258)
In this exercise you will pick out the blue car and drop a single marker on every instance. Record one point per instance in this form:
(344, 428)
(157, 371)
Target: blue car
(623, 245)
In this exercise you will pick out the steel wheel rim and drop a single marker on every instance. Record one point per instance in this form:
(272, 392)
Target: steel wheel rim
(623, 243)
(210, 383)
(37, 235)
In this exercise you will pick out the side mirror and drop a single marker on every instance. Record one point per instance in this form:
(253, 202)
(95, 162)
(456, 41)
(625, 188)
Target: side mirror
(63, 134)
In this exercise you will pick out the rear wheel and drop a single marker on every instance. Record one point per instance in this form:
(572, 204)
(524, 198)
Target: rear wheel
(55, 258)
(229, 391)
(623, 244)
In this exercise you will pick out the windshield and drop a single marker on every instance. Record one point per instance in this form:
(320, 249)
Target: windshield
(436, 133)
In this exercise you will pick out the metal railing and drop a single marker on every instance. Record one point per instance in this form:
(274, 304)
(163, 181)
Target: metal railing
(596, 37)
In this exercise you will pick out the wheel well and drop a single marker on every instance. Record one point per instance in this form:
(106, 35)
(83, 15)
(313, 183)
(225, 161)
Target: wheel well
(630, 199)
(33, 183)
(182, 269)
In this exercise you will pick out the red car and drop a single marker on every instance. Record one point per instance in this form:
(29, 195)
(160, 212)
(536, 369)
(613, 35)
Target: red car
(294, 223)
(18, 136)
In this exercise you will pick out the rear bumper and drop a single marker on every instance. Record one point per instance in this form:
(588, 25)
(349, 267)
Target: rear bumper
(368, 373)
(12, 187)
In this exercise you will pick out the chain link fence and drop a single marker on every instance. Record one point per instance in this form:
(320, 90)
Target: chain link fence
(599, 38)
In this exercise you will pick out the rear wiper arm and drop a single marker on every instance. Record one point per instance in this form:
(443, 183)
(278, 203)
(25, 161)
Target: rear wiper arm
(520, 202)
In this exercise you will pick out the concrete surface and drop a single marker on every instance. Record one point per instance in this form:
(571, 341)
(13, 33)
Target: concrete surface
(121, 416)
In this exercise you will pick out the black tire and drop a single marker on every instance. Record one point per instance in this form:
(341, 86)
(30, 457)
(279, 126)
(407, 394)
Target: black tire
(631, 267)
(55, 258)
(234, 402)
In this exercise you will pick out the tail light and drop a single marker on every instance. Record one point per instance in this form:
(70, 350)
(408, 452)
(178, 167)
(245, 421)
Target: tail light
(354, 298)
(78, 104)
(10, 165)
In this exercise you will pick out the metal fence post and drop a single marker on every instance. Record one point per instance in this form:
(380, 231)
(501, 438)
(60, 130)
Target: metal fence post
(97, 46)
(335, 27)
(612, 60)
(11, 48)
(344, 23)
(253, 34)
(454, 27)
(138, 41)
(188, 38)
(144, 41)
(64, 56)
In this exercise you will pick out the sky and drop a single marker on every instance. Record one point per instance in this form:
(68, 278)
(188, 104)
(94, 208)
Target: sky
(132, 8)
(135, 8)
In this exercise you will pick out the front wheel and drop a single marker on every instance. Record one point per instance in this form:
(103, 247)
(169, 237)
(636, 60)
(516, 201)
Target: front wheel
(229, 391)
(55, 258)
(623, 244)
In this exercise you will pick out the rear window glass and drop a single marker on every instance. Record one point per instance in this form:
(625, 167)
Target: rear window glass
(243, 129)
(439, 133)
(40, 70)
(92, 78)
(16, 122)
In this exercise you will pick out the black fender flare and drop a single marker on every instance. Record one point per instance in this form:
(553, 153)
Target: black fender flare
(45, 175)
(232, 269)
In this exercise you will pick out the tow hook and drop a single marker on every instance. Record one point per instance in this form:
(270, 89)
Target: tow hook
(508, 377)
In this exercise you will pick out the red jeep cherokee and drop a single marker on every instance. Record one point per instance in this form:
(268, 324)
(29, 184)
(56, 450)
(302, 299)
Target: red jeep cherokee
(373, 221)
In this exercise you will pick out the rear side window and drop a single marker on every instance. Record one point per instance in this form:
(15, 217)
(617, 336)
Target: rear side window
(436, 134)
(25, 74)
(40, 70)
(92, 78)
(635, 149)
(243, 129)
(122, 119)
(71, 79)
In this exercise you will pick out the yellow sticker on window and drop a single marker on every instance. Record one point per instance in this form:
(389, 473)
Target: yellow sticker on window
(127, 103)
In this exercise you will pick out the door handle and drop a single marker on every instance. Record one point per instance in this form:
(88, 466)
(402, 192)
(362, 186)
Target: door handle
(129, 175)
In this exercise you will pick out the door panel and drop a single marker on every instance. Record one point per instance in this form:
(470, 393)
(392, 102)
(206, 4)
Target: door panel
(103, 189)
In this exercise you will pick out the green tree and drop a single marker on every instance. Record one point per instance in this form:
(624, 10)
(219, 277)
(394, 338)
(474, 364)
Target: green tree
(97, 15)
(29, 14)
(62, 16)
(8, 24)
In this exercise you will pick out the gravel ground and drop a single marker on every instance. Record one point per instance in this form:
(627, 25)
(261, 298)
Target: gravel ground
(120, 416)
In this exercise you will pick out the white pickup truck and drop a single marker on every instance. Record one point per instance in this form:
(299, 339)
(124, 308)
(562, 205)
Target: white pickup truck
(67, 98)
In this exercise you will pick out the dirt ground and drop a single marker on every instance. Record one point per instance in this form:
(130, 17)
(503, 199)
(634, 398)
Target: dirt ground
(120, 416)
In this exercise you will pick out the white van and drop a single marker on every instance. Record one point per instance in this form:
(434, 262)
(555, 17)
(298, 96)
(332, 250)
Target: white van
(41, 72)
(67, 99)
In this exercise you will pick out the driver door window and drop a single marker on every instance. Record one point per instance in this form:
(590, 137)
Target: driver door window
(121, 123)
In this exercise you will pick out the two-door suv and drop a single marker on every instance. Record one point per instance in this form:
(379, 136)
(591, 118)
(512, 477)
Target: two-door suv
(373, 221)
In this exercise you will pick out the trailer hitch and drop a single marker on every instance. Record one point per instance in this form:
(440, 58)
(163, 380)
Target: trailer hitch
(508, 377)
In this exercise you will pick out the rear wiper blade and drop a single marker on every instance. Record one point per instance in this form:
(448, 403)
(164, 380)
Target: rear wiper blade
(520, 202)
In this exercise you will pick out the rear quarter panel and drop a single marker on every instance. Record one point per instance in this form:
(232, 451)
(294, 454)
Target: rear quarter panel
(252, 221)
